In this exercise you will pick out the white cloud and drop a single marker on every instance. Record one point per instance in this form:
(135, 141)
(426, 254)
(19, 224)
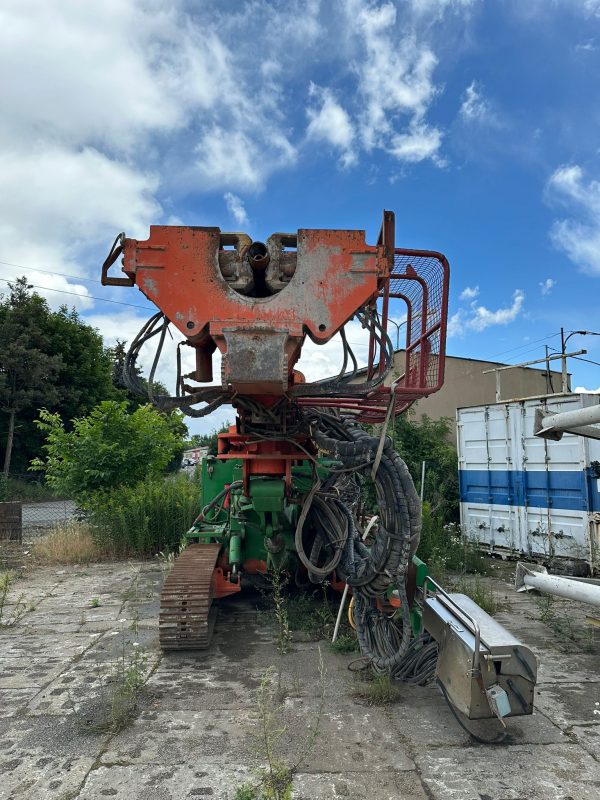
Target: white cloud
(331, 123)
(474, 108)
(478, 317)
(57, 289)
(456, 324)
(419, 143)
(437, 7)
(395, 83)
(469, 293)
(113, 111)
(323, 361)
(583, 390)
(588, 46)
(235, 158)
(236, 208)
(592, 7)
(483, 318)
(578, 238)
(129, 104)
(547, 285)
(64, 195)
(57, 205)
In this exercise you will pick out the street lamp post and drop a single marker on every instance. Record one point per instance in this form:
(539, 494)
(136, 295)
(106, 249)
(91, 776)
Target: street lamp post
(563, 345)
(397, 331)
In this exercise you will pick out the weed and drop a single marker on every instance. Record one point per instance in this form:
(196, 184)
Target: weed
(135, 623)
(69, 542)
(246, 792)
(345, 643)
(121, 691)
(377, 690)
(545, 604)
(284, 637)
(17, 609)
(147, 518)
(94, 602)
(133, 592)
(478, 591)
(275, 779)
(311, 615)
(166, 559)
(555, 614)
(445, 548)
(552, 615)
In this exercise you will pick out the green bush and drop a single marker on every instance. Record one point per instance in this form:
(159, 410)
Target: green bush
(427, 440)
(110, 448)
(148, 518)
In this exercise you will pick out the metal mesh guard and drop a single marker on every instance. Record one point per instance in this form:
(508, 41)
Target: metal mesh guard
(421, 279)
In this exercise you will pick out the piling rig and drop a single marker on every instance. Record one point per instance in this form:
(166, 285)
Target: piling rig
(286, 488)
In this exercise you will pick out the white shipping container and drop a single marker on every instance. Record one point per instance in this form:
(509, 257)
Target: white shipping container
(523, 495)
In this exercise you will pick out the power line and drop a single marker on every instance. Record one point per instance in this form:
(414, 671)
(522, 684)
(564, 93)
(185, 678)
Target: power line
(83, 296)
(49, 272)
(520, 347)
(589, 361)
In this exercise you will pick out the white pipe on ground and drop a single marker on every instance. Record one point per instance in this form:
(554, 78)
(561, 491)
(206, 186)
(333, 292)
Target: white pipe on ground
(532, 576)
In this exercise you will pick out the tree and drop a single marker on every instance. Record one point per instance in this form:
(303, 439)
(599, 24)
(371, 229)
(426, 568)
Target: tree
(50, 359)
(117, 355)
(427, 440)
(28, 374)
(109, 448)
(86, 375)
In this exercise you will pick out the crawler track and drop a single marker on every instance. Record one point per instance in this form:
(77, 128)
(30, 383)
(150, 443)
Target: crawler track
(186, 621)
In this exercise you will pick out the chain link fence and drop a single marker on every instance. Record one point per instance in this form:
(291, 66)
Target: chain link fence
(23, 521)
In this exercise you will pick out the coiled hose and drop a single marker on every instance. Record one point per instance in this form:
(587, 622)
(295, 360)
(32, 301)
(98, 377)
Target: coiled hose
(369, 571)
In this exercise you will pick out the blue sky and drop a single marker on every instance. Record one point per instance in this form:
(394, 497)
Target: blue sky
(477, 122)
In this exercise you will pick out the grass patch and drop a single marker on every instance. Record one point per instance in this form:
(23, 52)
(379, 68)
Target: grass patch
(10, 613)
(478, 591)
(376, 690)
(345, 643)
(312, 613)
(554, 613)
(148, 518)
(246, 792)
(69, 542)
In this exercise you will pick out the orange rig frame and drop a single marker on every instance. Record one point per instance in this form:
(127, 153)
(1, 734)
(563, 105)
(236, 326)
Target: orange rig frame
(257, 303)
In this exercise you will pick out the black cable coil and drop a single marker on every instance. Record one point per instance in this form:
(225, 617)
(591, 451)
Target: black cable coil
(329, 513)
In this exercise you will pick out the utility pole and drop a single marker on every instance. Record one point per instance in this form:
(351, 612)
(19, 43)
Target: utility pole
(548, 388)
(563, 341)
(564, 379)
(545, 360)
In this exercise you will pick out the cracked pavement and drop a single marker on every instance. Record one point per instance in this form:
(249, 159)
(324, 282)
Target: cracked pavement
(194, 732)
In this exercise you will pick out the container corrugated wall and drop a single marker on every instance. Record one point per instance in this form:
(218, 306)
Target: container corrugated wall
(526, 495)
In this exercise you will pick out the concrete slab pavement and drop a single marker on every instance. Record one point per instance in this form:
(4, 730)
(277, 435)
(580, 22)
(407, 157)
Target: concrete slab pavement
(196, 727)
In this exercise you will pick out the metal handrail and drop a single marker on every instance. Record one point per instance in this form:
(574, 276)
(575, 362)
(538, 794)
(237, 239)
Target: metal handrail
(476, 629)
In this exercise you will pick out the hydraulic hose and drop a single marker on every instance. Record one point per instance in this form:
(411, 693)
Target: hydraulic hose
(369, 571)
